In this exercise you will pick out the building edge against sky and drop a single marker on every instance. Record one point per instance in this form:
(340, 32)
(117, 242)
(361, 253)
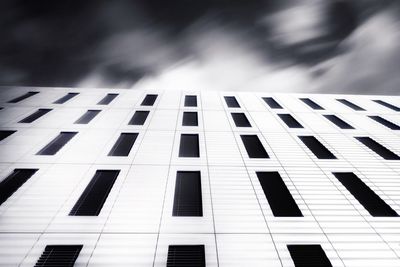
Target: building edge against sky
(117, 177)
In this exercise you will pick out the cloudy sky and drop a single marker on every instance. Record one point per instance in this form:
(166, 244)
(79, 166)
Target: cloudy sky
(324, 46)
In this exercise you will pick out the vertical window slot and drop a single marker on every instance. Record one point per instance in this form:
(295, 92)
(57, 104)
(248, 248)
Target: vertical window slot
(311, 104)
(318, 149)
(123, 145)
(189, 146)
(378, 148)
(272, 103)
(139, 118)
(365, 196)
(22, 97)
(107, 99)
(240, 120)
(95, 194)
(36, 115)
(149, 100)
(190, 119)
(65, 98)
(253, 146)
(187, 198)
(278, 195)
(57, 143)
(338, 122)
(87, 117)
(308, 256)
(190, 101)
(231, 102)
(13, 182)
(290, 121)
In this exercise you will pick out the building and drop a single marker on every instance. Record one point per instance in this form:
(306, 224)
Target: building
(97, 177)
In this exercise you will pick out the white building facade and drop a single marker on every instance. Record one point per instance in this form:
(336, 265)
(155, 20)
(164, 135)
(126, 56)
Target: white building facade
(97, 177)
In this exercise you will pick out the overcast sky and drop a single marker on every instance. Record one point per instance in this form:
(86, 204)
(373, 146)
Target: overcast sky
(321, 46)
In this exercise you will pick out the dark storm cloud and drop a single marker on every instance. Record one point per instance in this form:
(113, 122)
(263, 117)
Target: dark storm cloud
(118, 43)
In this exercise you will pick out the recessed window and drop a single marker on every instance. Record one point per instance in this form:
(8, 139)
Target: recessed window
(123, 145)
(186, 256)
(139, 118)
(338, 122)
(318, 149)
(5, 133)
(87, 117)
(378, 148)
(36, 115)
(149, 100)
(240, 120)
(311, 104)
(57, 143)
(279, 198)
(367, 198)
(231, 102)
(272, 103)
(385, 122)
(308, 255)
(386, 104)
(95, 195)
(190, 119)
(22, 97)
(187, 198)
(190, 101)
(290, 121)
(189, 146)
(59, 255)
(65, 98)
(253, 146)
(350, 104)
(13, 182)
(107, 99)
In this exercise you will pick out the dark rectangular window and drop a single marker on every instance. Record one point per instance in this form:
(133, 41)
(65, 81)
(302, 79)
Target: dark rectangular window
(253, 146)
(87, 117)
(59, 255)
(57, 143)
(378, 148)
(123, 145)
(385, 122)
(240, 120)
(107, 99)
(278, 195)
(189, 146)
(14, 181)
(190, 119)
(22, 97)
(385, 104)
(367, 198)
(139, 118)
(350, 104)
(231, 102)
(4, 134)
(290, 121)
(96, 192)
(318, 149)
(190, 101)
(338, 122)
(310, 255)
(187, 198)
(186, 256)
(149, 100)
(36, 115)
(311, 104)
(65, 98)
(272, 103)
